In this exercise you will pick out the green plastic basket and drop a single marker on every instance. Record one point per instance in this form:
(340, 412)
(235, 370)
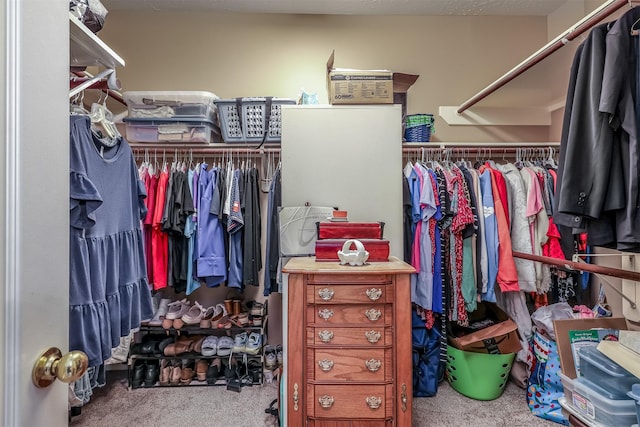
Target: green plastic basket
(480, 376)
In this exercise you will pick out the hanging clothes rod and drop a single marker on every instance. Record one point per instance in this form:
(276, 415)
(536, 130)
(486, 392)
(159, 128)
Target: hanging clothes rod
(225, 149)
(580, 266)
(585, 24)
(410, 146)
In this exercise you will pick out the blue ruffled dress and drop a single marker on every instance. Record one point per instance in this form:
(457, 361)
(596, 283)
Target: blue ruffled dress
(108, 291)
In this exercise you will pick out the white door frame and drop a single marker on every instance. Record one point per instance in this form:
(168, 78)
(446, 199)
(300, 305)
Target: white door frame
(34, 208)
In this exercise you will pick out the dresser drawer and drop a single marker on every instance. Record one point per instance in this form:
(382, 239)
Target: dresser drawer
(350, 278)
(340, 314)
(349, 423)
(350, 294)
(371, 337)
(350, 401)
(351, 365)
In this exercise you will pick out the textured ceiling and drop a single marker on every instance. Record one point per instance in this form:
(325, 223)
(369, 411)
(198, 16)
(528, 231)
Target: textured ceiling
(350, 7)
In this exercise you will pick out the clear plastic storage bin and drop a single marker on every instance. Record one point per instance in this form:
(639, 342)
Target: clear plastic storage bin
(595, 403)
(185, 130)
(171, 105)
(245, 119)
(601, 370)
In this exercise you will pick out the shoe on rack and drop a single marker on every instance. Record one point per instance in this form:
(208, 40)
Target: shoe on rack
(184, 345)
(176, 372)
(165, 371)
(188, 371)
(152, 373)
(231, 370)
(158, 317)
(228, 306)
(150, 344)
(191, 317)
(175, 310)
(220, 316)
(254, 370)
(179, 347)
(197, 346)
(253, 343)
(270, 358)
(205, 321)
(225, 346)
(279, 354)
(139, 369)
(240, 320)
(164, 343)
(240, 343)
(213, 372)
(210, 346)
(202, 365)
(255, 320)
(256, 308)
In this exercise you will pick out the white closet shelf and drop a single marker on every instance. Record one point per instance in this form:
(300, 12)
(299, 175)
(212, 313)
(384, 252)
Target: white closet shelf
(86, 49)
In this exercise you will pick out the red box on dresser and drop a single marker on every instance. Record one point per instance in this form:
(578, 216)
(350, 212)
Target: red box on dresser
(327, 249)
(350, 230)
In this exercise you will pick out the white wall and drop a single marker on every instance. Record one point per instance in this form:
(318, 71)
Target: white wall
(276, 55)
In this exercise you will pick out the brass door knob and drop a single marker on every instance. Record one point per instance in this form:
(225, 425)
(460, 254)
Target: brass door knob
(52, 364)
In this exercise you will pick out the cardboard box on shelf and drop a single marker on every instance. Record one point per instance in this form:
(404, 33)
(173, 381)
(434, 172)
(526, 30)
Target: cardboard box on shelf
(499, 337)
(351, 86)
(562, 328)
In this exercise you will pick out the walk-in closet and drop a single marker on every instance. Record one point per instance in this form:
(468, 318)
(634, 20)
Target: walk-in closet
(336, 213)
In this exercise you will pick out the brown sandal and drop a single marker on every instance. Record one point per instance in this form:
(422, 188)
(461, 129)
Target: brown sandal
(220, 316)
(241, 320)
(205, 322)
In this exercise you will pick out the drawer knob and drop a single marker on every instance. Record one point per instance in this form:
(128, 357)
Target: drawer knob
(326, 294)
(372, 336)
(373, 314)
(326, 401)
(325, 336)
(374, 294)
(373, 402)
(373, 365)
(325, 364)
(325, 313)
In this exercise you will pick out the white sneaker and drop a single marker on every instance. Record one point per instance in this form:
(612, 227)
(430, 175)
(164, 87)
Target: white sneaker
(254, 343)
(240, 342)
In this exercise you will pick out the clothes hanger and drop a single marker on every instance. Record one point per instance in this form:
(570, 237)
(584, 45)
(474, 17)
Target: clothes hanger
(102, 119)
(164, 161)
(77, 105)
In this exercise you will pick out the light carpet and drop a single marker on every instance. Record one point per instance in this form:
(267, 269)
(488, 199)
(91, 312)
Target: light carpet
(214, 406)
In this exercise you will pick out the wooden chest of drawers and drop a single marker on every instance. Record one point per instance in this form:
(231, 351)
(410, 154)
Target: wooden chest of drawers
(349, 344)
